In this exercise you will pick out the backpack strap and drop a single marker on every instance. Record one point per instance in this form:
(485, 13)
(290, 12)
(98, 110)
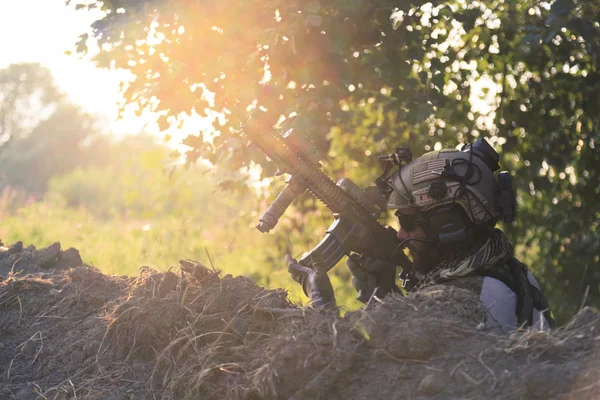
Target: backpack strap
(513, 274)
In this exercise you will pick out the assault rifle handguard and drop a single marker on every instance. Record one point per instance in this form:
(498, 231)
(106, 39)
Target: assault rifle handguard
(355, 228)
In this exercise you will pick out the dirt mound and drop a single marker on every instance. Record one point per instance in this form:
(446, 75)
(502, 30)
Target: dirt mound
(16, 259)
(68, 331)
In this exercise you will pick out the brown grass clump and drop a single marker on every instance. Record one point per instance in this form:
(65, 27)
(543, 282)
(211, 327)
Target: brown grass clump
(190, 333)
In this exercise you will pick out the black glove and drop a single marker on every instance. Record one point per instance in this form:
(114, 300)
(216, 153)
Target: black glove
(315, 282)
(369, 273)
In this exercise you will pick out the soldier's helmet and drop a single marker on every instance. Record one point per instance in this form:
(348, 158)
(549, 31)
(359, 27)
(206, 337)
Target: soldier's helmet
(446, 183)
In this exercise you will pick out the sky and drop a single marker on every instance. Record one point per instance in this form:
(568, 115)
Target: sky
(41, 31)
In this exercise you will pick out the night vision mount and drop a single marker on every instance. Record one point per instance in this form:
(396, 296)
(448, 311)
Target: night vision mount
(401, 156)
(482, 149)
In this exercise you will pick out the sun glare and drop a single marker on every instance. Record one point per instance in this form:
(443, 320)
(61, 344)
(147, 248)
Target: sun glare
(45, 31)
(42, 31)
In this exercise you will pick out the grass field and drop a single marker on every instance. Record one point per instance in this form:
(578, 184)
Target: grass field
(120, 245)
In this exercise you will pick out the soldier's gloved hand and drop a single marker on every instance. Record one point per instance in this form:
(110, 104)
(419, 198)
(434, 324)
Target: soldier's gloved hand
(368, 275)
(315, 282)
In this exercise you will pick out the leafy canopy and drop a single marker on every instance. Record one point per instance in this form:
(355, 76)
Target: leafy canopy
(360, 77)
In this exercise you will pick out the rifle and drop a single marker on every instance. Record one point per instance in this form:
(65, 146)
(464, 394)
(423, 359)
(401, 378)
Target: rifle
(355, 228)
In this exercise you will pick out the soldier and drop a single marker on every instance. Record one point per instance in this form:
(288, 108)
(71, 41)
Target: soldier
(448, 203)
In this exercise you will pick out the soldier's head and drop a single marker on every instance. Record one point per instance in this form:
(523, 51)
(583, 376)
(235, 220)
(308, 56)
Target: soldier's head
(449, 200)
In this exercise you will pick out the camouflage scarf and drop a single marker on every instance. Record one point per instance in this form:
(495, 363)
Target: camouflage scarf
(494, 251)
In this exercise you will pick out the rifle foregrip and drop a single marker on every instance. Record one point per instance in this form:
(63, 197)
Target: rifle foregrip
(270, 218)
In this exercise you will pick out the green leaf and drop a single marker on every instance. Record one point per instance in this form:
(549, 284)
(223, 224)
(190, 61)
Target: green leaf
(439, 80)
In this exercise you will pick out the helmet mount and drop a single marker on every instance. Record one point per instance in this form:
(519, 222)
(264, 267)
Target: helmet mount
(506, 197)
(437, 190)
(482, 149)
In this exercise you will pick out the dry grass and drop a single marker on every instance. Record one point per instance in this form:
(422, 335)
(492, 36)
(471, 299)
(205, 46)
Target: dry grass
(191, 333)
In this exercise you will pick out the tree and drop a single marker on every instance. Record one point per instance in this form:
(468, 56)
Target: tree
(27, 97)
(42, 133)
(299, 58)
(543, 66)
(360, 77)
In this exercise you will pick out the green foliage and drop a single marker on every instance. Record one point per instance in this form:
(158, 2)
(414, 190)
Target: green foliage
(546, 70)
(361, 77)
(131, 213)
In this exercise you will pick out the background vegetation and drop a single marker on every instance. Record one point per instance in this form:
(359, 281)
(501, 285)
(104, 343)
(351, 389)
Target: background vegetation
(126, 203)
(359, 78)
(131, 213)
